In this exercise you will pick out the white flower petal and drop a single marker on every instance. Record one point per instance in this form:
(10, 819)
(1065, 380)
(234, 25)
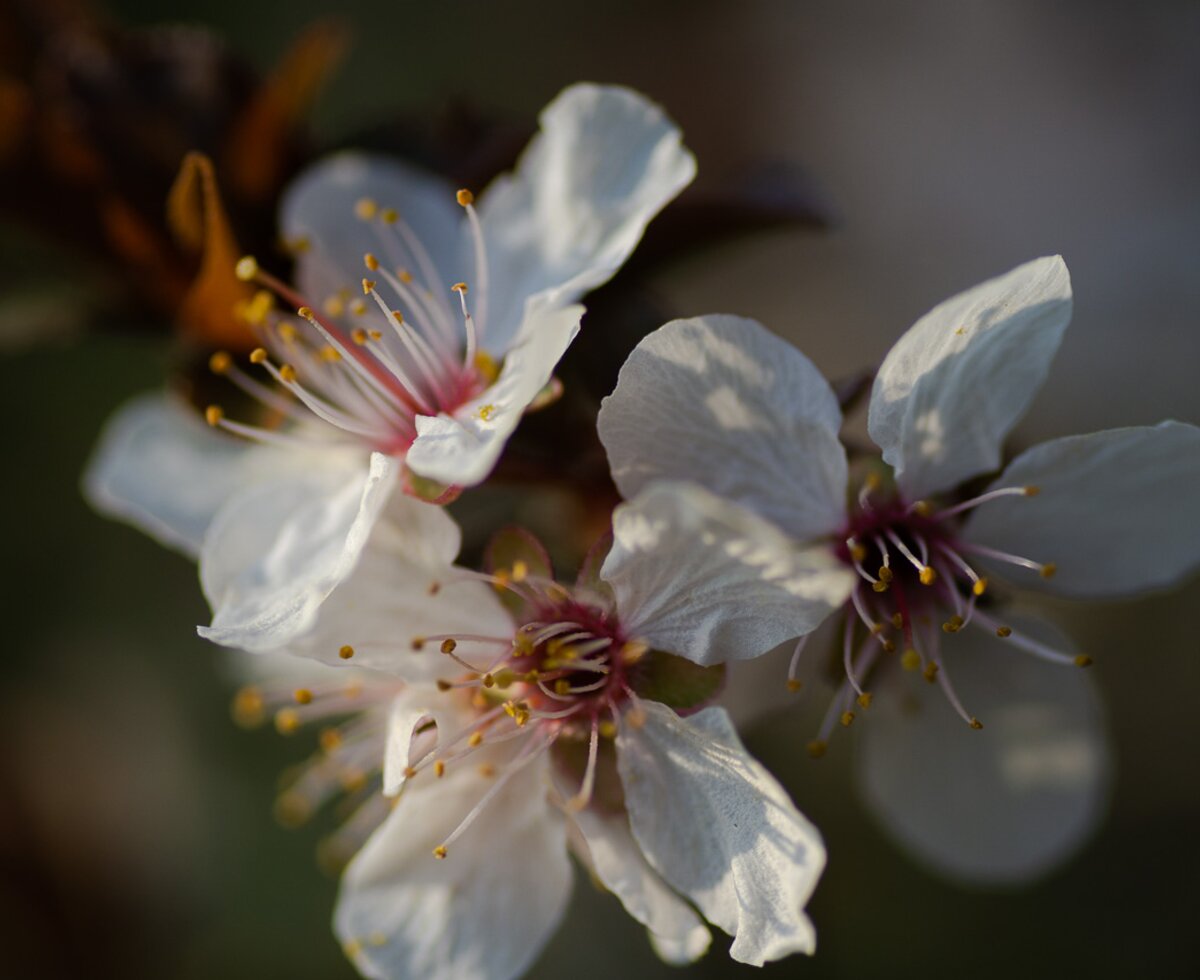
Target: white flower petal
(461, 450)
(703, 578)
(604, 164)
(483, 913)
(1004, 804)
(162, 469)
(679, 935)
(396, 595)
(319, 208)
(720, 401)
(719, 828)
(280, 547)
(955, 384)
(1116, 511)
(411, 711)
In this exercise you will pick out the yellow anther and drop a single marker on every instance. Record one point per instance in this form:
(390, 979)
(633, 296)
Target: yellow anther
(858, 552)
(520, 570)
(334, 306)
(287, 374)
(220, 362)
(464, 197)
(397, 316)
(976, 724)
(255, 310)
(246, 268)
(910, 659)
(359, 336)
(633, 651)
(488, 680)
(292, 810)
(501, 579)
(375, 334)
(358, 308)
(443, 684)
(303, 695)
(930, 672)
(439, 769)
(330, 739)
(404, 276)
(980, 586)
(487, 367)
(847, 719)
(1003, 631)
(330, 354)
(877, 628)
(365, 208)
(353, 780)
(418, 643)
(298, 245)
(879, 586)
(486, 412)
(794, 685)
(248, 707)
(1049, 569)
(486, 770)
(213, 415)
(898, 620)
(608, 729)
(928, 576)
(922, 508)
(367, 286)
(287, 332)
(371, 262)
(306, 313)
(475, 739)
(889, 646)
(459, 287)
(885, 573)
(351, 948)
(1032, 491)
(389, 216)
(286, 721)
(258, 355)
(439, 852)
(409, 772)
(562, 686)
(952, 625)
(1083, 660)
(449, 646)
(864, 700)
(816, 748)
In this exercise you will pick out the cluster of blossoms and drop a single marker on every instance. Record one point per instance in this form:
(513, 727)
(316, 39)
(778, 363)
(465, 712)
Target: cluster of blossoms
(482, 722)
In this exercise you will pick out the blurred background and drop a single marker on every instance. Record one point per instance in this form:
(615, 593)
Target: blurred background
(941, 144)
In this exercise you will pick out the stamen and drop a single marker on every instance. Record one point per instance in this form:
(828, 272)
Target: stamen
(793, 684)
(1030, 645)
(1046, 570)
(530, 751)
(584, 796)
(1030, 491)
(925, 572)
(465, 198)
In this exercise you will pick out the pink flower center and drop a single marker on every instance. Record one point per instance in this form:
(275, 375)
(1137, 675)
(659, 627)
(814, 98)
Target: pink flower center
(367, 359)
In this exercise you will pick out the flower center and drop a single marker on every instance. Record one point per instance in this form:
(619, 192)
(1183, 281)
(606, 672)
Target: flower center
(366, 364)
(564, 673)
(915, 584)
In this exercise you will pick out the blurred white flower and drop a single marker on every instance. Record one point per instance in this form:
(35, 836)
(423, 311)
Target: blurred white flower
(403, 375)
(538, 719)
(722, 403)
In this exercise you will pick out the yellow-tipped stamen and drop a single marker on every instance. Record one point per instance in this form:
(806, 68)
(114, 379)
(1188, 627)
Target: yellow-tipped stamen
(246, 269)
(213, 415)
(346, 652)
(365, 209)
(220, 362)
(1083, 660)
(464, 197)
(303, 695)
